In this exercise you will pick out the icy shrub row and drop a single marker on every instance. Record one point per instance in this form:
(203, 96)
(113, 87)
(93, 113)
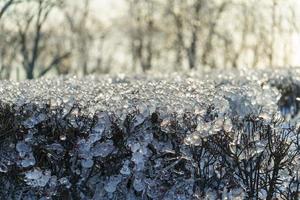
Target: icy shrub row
(167, 138)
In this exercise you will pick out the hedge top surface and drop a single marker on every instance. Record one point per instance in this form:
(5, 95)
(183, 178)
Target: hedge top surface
(236, 92)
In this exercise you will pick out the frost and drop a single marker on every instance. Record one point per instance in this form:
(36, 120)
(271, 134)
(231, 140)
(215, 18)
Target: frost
(53, 181)
(68, 105)
(112, 184)
(25, 152)
(102, 123)
(31, 122)
(227, 126)
(102, 149)
(65, 182)
(30, 135)
(37, 178)
(135, 147)
(29, 161)
(260, 146)
(263, 194)
(138, 119)
(23, 148)
(125, 170)
(138, 159)
(87, 163)
(138, 184)
(166, 124)
(195, 138)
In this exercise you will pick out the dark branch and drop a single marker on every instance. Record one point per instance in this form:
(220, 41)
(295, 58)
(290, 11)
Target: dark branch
(58, 59)
(5, 7)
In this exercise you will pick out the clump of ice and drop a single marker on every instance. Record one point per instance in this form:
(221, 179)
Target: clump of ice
(37, 178)
(102, 149)
(112, 184)
(26, 154)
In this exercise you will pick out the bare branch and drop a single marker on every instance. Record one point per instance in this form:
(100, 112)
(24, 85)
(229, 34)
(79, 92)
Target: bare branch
(56, 60)
(5, 7)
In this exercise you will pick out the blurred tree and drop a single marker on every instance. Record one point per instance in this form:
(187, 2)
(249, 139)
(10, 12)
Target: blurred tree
(212, 31)
(197, 6)
(8, 54)
(87, 36)
(142, 32)
(77, 19)
(31, 38)
(71, 37)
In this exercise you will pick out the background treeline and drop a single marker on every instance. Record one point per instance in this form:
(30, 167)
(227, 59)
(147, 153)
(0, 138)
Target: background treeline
(50, 37)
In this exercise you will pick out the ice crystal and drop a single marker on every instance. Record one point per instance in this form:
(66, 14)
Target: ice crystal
(23, 148)
(34, 120)
(65, 182)
(138, 184)
(3, 168)
(138, 159)
(28, 161)
(87, 163)
(125, 170)
(102, 149)
(112, 184)
(62, 137)
(37, 178)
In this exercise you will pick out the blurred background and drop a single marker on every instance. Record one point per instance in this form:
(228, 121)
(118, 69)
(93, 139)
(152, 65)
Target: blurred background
(80, 37)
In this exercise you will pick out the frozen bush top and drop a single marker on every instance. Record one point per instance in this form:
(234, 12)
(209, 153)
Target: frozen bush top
(240, 92)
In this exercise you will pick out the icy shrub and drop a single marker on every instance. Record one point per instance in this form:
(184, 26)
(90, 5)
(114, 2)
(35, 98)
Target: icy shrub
(234, 136)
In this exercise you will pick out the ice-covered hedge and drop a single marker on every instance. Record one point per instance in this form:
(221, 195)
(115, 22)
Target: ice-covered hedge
(231, 135)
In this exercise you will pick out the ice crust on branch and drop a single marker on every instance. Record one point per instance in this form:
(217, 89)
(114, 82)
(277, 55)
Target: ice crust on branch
(231, 135)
